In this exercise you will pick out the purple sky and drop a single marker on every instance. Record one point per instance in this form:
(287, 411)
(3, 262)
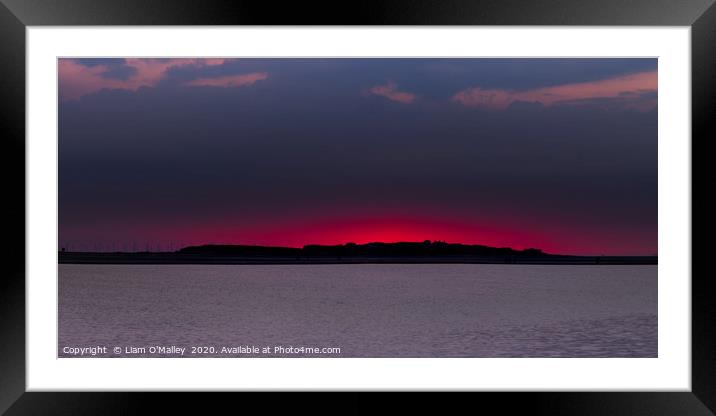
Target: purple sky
(557, 154)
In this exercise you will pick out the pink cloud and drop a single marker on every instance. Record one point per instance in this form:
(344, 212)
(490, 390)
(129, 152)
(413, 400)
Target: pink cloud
(229, 80)
(390, 91)
(76, 80)
(628, 89)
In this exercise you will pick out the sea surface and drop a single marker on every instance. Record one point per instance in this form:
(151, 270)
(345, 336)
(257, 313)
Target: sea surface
(333, 311)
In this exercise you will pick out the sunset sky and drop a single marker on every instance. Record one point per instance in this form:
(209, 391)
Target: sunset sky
(556, 154)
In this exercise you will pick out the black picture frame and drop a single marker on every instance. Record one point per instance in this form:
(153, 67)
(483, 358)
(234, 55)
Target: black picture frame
(15, 15)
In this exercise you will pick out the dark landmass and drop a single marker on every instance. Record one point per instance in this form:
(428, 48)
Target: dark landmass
(426, 248)
(401, 253)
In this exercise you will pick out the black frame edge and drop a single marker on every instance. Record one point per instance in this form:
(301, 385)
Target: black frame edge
(12, 284)
(359, 12)
(20, 13)
(503, 403)
(703, 338)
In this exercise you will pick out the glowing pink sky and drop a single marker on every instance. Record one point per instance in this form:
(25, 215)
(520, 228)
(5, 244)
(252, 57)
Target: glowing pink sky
(622, 86)
(391, 92)
(78, 80)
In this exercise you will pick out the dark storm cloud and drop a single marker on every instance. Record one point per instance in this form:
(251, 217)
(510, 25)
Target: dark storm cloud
(113, 68)
(121, 72)
(93, 62)
(310, 140)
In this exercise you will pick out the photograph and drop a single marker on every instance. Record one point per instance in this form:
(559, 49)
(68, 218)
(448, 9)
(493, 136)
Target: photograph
(357, 207)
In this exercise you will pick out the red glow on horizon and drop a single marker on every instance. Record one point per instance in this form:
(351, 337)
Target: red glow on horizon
(362, 231)
(295, 233)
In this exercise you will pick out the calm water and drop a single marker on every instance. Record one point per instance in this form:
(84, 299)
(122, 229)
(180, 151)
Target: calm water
(365, 310)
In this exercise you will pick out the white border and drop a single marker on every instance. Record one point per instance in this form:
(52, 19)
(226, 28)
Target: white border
(671, 371)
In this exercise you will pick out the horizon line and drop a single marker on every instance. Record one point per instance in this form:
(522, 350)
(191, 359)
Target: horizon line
(156, 249)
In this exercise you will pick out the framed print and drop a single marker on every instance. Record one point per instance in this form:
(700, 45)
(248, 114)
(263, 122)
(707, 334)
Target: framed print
(437, 197)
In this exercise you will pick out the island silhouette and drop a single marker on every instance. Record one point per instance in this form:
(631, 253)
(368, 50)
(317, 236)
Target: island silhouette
(350, 253)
